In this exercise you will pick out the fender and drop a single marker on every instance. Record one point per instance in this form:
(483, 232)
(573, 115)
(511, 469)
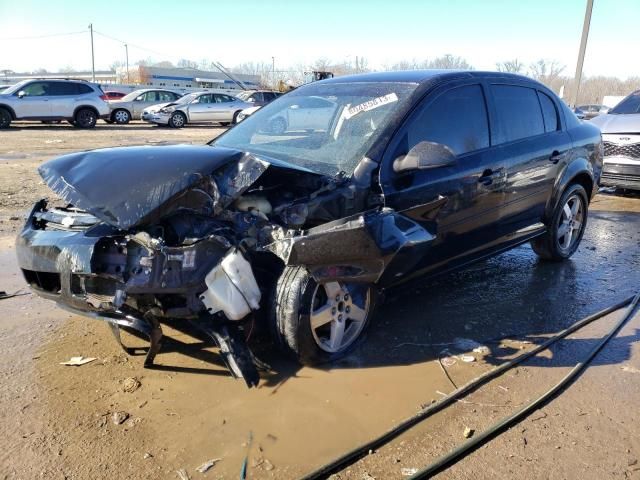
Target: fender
(91, 107)
(577, 166)
(11, 111)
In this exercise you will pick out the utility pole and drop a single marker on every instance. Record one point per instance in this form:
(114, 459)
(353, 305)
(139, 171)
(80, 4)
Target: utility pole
(93, 61)
(583, 47)
(126, 49)
(273, 72)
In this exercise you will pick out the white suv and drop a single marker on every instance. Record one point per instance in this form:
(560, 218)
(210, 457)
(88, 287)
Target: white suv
(77, 101)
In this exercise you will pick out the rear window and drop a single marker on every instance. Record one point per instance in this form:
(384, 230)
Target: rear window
(518, 111)
(631, 104)
(549, 113)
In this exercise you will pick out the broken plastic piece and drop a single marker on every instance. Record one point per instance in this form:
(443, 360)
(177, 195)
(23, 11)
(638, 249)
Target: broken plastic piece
(208, 465)
(77, 361)
(232, 287)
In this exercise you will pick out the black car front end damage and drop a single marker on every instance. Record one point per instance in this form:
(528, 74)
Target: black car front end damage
(199, 233)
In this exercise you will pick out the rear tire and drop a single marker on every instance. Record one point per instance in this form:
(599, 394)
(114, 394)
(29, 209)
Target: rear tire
(121, 116)
(5, 118)
(177, 120)
(318, 323)
(235, 118)
(85, 118)
(566, 227)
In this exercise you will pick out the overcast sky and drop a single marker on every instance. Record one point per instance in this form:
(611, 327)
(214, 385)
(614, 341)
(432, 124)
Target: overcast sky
(384, 32)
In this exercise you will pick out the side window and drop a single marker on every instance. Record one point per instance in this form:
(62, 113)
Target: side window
(166, 97)
(36, 89)
(225, 98)
(151, 96)
(63, 88)
(457, 119)
(257, 96)
(519, 113)
(549, 113)
(82, 89)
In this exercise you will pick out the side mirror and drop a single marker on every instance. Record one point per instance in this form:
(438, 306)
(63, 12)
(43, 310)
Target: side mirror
(140, 98)
(251, 100)
(425, 156)
(21, 93)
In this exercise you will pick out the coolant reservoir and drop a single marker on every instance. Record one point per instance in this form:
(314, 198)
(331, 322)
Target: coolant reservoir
(232, 288)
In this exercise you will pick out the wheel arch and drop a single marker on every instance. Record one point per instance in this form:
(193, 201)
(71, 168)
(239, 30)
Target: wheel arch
(579, 171)
(82, 107)
(10, 110)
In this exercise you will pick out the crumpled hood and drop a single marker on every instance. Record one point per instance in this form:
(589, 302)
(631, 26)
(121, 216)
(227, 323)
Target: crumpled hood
(617, 123)
(122, 186)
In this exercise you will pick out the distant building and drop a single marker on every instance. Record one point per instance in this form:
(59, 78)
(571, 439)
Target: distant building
(191, 78)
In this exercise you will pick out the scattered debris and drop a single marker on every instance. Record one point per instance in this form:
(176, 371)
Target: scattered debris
(77, 361)
(544, 415)
(182, 474)
(448, 361)
(407, 472)
(468, 432)
(208, 465)
(119, 417)
(467, 358)
(130, 385)
(482, 350)
(147, 455)
(367, 476)
(267, 465)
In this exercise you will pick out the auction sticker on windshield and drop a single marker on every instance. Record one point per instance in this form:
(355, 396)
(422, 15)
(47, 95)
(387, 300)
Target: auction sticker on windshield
(371, 104)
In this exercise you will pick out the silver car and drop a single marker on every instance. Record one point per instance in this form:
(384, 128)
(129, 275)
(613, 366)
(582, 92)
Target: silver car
(79, 102)
(131, 106)
(199, 107)
(621, 136)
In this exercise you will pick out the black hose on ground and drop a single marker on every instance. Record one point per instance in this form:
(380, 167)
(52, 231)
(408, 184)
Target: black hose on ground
(357, 453)
(479, 439)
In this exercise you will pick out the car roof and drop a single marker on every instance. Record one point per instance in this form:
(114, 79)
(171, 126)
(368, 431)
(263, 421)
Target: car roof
(422, 76)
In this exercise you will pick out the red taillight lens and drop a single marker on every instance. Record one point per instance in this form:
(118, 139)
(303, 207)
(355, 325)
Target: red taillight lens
(104, 97)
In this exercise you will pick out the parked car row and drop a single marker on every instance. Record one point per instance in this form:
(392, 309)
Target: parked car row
(82, 103)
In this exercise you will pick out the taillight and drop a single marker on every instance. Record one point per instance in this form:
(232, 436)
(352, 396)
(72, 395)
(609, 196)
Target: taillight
(104, 97)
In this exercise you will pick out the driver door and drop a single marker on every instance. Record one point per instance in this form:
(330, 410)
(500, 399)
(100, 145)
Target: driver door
(460, 204)
(36, 101)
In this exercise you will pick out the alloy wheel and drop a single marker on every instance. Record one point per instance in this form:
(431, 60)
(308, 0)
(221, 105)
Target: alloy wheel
(570, 223)
(338, 314)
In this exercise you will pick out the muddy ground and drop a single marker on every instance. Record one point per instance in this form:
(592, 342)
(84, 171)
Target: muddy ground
(57, 421)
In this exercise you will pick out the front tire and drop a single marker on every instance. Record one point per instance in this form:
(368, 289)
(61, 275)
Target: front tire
(85, 118)
(121, 116)
(566, 228)
(178, 120)
(318, 323)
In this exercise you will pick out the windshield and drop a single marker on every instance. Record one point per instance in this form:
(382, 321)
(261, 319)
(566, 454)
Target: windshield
(16, 87)
(631, 104)
(326, 128)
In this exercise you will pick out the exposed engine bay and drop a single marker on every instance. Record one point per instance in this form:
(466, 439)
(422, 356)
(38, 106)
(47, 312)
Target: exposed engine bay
(203, 239)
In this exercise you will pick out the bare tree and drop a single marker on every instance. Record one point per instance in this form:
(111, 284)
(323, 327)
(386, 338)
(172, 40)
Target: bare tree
(512, 66)
(545, 70)
(164, 64)
(449, 62)
(184, 63)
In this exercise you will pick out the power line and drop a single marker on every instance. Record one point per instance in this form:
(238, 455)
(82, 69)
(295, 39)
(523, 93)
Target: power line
(133, 44)
(42, 36)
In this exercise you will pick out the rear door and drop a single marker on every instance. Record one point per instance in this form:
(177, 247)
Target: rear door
(224, 107)
(65, 96)
(531, 142)
(35, 103)
(471, 192)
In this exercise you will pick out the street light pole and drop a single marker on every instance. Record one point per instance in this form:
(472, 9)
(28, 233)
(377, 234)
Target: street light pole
(93, 62)
(126, 49)
(583, 47)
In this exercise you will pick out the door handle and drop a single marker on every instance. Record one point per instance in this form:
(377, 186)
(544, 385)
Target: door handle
(488, 175)
(556, 156)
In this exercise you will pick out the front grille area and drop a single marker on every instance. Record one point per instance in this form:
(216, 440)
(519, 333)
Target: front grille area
(46, 281)
(631, 150)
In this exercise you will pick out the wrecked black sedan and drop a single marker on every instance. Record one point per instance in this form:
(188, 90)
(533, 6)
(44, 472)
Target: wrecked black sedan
(301, 214)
